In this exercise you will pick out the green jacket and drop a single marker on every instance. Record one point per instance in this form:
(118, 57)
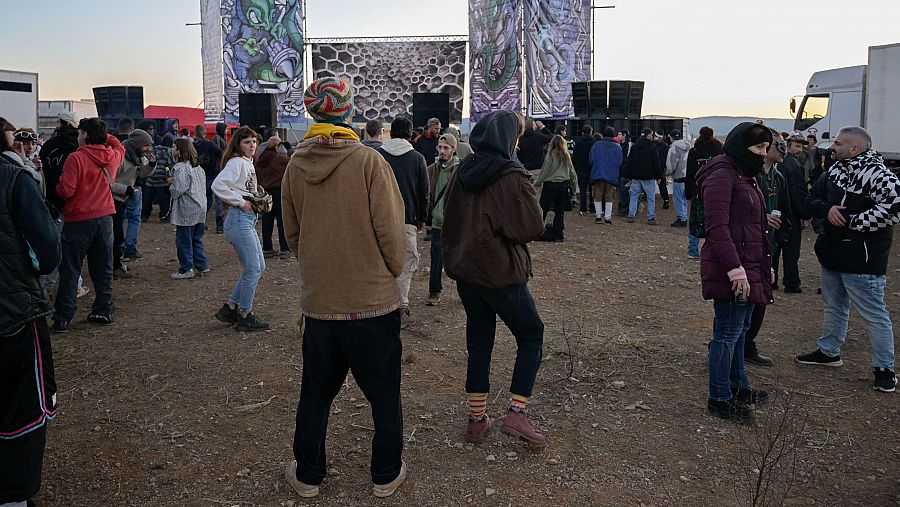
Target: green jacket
(555, 170)
(440, 176)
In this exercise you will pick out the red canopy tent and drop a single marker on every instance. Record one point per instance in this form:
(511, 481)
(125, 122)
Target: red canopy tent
(187, 117)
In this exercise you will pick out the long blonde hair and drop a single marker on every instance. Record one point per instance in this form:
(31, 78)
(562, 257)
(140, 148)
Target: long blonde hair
(559, 150)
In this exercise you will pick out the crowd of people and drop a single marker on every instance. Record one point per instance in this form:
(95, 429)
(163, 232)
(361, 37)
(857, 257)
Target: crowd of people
(351, 210)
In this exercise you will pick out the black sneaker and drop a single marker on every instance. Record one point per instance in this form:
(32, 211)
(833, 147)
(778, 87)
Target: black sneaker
(730, 410)
(793, 290)
(228, 314)
(758, 359)
(121, 273)
(885, 380)
(99, 318)
(60, 326)
(818, 357)
(133, 256)
(750, 396)
(607, 221)
(665, 204)
(598, 220)
(250, 324)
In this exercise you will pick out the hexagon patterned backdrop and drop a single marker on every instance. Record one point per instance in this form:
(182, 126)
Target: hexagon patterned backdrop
(386, 74)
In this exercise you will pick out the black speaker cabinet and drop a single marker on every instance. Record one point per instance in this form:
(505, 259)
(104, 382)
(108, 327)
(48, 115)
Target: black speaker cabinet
(597, 95)
(635, 99)
(256, 109)
(625, 99)
(431, 105)
(116, 102)
(581, 99)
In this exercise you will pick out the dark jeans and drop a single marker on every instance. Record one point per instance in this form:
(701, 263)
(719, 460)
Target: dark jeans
(791, 254)
(94, 239)
(586, 202)
(515, 306)
(371, 350)
(118, 234)
(189, 244)
(437, 262)
(726, 352)
(555, 198)
(624, 198)
(756, 322)
(155, 195)
(268, 224)
(663, 190)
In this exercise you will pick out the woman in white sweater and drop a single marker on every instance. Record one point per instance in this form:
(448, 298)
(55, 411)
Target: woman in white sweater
(236, 180)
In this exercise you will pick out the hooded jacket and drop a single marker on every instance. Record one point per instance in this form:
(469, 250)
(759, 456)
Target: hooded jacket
(798, 187)
(491, 210)
(270, 167)
(581, 157)
(643, 161)
(219, 139)
(133, 166)
(53, 155)
(343, 216)
(85, 186)
(735, 219)
(439, 177)
(702, 152)
(871, 194)
(170, 134)
(532, 148)
(606, 159)
(676, 160)
(408, 166)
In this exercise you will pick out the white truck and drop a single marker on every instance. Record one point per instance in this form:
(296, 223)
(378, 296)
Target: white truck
(864, 95)
(19, 98)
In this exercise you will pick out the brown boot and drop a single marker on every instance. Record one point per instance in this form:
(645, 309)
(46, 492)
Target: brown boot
(516, 424)
(477, 430)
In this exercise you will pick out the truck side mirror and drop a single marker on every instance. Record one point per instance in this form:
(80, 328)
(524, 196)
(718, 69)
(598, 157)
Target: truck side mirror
(793, 106)
(826, 135)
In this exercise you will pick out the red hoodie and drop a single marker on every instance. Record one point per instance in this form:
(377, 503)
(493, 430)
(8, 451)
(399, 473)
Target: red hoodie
(84, 185)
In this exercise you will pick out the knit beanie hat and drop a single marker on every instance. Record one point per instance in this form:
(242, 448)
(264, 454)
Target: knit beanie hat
(139, 138)
(329, 100)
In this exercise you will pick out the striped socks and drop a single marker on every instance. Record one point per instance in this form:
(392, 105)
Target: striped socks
(517, 402)
(477, 405)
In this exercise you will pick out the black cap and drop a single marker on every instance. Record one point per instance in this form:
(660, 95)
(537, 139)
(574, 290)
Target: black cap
(646, 131)
(675, 134)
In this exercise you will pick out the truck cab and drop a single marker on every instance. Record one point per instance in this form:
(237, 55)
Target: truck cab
(834, 99)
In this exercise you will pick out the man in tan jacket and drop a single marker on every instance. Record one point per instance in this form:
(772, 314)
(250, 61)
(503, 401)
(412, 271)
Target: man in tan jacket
(344, 217)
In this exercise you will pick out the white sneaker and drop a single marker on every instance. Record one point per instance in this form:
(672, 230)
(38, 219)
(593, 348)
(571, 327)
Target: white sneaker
(386, 490)
(82, 291)
(181, 276)
(302, 489)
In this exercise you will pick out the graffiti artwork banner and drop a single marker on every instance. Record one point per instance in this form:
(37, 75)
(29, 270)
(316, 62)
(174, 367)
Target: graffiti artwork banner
(557, 52)
(263, 53)
(495, 80)
(386, 74)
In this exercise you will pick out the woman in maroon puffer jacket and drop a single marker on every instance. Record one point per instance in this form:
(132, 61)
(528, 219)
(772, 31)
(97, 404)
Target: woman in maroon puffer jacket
(735, 264)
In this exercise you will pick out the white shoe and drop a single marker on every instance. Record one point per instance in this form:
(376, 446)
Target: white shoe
(302, 489)
(82, 291)
(386, 490)
(182, 276)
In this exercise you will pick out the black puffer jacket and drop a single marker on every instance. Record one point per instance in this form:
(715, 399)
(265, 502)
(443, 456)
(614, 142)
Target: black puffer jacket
(643, 161)
(53, 155)
(531, 150)
(580, 157)
(25, 229)
(702, 152)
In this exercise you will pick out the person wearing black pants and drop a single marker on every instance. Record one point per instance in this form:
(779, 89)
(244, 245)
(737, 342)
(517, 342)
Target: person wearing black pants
(119, 270)
(435, 285)
(791, 254)
(371, 350)
(92, 239)
(580, 156)
(268, 227)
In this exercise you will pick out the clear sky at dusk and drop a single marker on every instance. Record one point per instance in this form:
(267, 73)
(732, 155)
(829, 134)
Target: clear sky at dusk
(699, 57)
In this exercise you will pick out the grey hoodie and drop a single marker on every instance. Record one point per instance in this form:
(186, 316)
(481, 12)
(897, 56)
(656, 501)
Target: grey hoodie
(676, 161)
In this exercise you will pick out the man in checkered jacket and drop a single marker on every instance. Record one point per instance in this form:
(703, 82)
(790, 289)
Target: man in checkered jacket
(859, 202)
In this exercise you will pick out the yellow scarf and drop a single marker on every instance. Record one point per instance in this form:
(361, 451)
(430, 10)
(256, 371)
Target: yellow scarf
(329, 131)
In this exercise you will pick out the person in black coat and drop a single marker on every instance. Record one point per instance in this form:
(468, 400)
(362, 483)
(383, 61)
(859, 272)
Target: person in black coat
(644, 168)
(798, 189)
(580, 156)
(533, 145)
(706, 147)
(662, 143)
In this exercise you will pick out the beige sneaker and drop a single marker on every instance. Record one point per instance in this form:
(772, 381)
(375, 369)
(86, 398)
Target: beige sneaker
(434, 298)
(386, 490)
(304, 490)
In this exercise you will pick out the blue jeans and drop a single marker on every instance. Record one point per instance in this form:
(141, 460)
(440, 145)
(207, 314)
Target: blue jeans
(866, 293)
(213, 198)
(680, 201)
(189, 244)
(693, 245)
(92, 239)
(240, 231)
(515, 306)
(726, 352)
(132, 221)
(648, 186)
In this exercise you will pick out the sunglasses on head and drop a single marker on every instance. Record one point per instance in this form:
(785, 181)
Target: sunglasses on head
(26, 136)
(781, 146)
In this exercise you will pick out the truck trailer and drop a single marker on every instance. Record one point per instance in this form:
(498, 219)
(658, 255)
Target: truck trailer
(19, 98)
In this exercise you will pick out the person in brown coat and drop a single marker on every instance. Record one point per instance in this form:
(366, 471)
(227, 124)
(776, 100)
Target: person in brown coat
(491, 213)
(270, 168)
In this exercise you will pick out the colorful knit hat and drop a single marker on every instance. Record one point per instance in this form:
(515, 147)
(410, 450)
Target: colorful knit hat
(329, 100)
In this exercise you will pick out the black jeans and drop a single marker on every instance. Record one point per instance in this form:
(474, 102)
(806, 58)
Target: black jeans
(515, 306)
(791, 254)
(371, 350)
(756, 322)
(663, 190)
(155, 195)
(268, 224)
(92, 238)
(555, 198)
(437, 262)
(586, 202)
(118, 234)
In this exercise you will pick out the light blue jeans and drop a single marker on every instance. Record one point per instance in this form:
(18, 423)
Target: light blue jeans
(648, 186)
(680, 201)
(240, 231)
(866, 292)
(132, 221)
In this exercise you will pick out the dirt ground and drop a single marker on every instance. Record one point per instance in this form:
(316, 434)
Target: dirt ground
(169, 407)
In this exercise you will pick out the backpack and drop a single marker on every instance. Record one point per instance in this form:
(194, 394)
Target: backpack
(697, 215)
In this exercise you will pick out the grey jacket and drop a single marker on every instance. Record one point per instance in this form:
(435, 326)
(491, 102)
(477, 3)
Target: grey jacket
(676, 161)
(188, 191)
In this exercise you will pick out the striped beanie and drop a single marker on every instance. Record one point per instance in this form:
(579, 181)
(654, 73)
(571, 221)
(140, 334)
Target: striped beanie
(329, 100)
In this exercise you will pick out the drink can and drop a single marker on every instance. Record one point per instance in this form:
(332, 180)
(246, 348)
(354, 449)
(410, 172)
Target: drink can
(776, 213)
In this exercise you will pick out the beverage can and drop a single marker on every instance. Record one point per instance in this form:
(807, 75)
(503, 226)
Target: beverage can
(776, 213)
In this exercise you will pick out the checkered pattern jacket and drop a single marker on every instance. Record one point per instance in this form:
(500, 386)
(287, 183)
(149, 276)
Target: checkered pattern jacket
(866, 175)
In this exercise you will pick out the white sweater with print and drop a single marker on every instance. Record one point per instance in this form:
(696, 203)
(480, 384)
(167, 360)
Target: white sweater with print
(237, 179)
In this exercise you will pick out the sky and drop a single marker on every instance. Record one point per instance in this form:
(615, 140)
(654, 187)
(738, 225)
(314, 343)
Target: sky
(697, 57)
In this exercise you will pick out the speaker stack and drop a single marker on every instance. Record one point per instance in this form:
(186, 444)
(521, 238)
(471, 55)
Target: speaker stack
(257, 109)
(117, 102)
(431, 105)
(607, 103)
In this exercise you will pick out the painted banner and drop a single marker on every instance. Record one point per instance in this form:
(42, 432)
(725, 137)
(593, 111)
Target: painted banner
(211, 53)
(263, 53)
(495, 80)
(557, 52)
(386, 74)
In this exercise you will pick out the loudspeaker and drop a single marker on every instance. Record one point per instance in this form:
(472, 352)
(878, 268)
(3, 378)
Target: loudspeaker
(580, 99)
(625, 99)
(431, 105)
(597, 95)
(635, 99)
(255, 109)
(116, 102)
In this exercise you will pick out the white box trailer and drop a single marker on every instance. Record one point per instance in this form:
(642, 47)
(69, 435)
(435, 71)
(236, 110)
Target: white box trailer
(882, 109)
(19, 98)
